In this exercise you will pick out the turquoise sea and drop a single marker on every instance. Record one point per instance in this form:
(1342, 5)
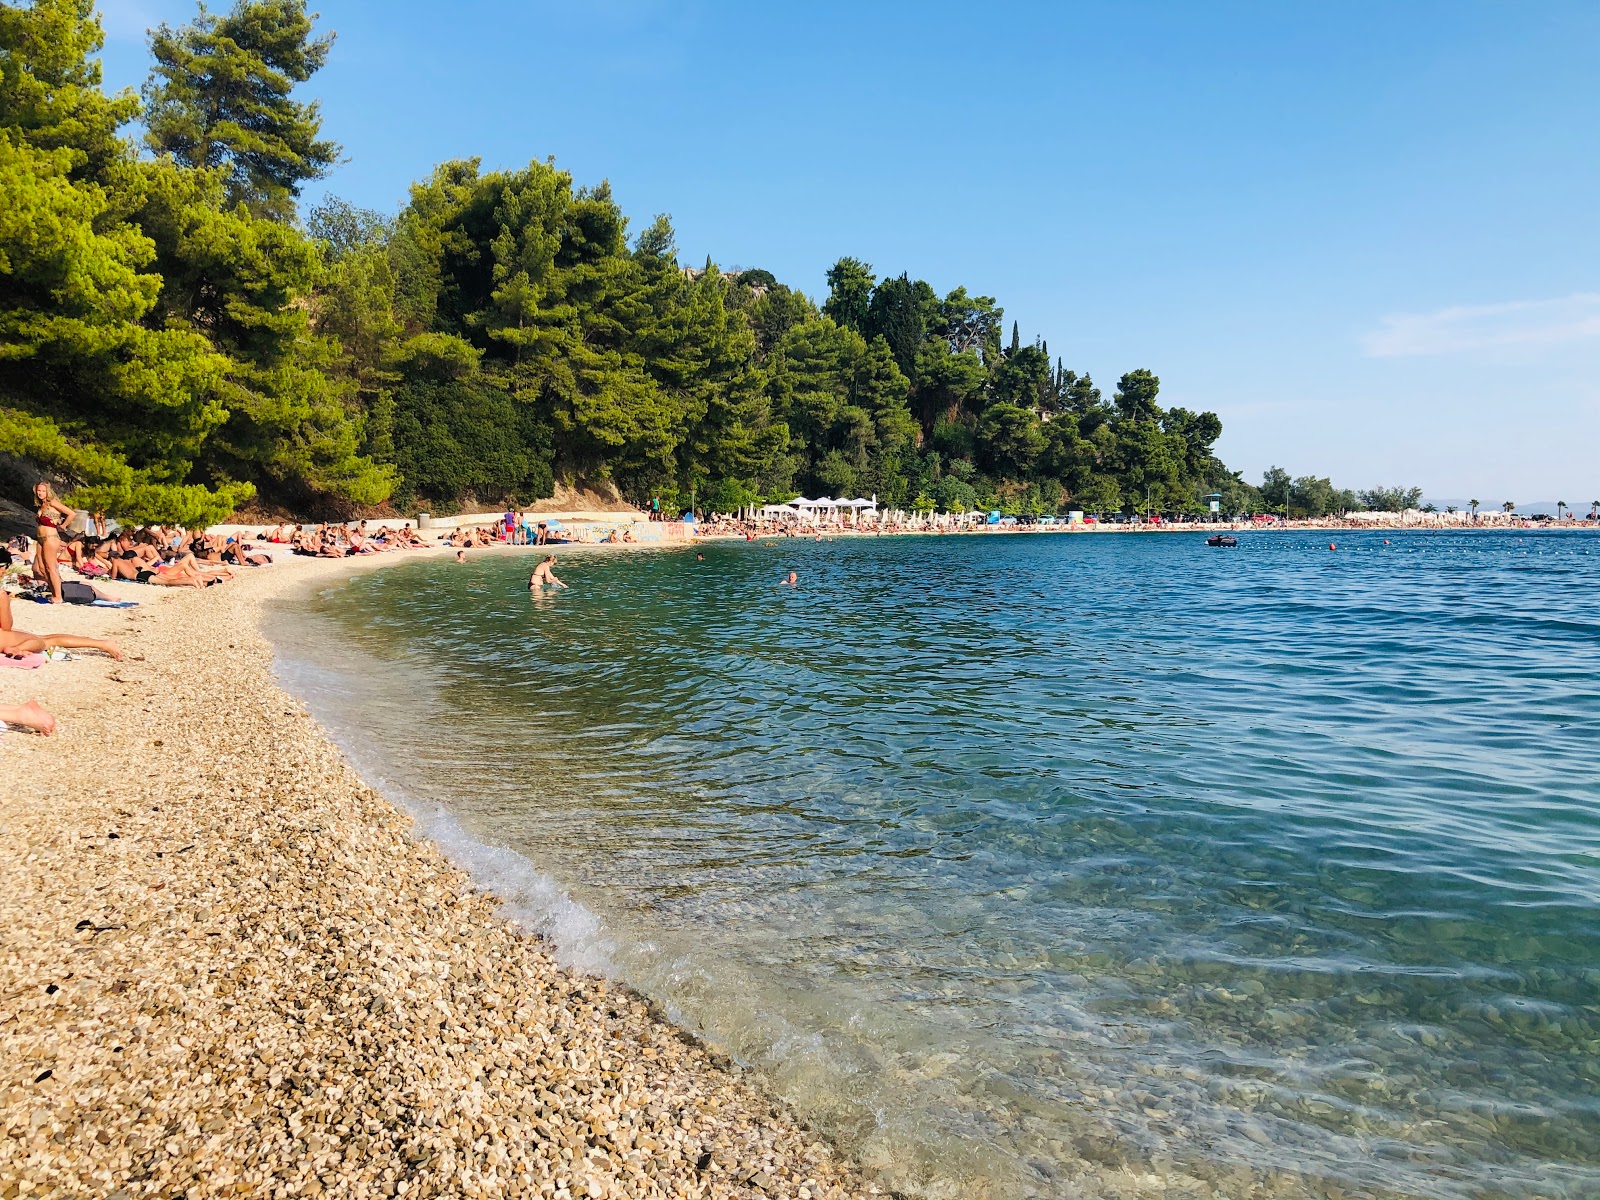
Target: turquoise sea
(1047, 866)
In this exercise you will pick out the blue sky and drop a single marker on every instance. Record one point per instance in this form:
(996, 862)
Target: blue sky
(1365, 234)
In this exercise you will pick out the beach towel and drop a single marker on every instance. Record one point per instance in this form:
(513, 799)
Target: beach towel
(78, 593)
(28, 662)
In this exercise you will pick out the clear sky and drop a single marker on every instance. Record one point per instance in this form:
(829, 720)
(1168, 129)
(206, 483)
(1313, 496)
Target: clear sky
(1365, 234)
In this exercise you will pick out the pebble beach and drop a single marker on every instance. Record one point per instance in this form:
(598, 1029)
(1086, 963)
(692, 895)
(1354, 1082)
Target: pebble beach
(230, 968)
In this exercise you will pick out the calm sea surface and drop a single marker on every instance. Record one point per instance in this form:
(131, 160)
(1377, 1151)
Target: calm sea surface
(1043, 865)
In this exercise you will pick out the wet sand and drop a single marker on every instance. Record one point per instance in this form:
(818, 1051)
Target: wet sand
(230, 969)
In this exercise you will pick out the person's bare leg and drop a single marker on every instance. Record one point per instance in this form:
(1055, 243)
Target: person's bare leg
(20, 640)
(175, 577)
(46, 567)
(64, 641)
(5, 611)
(30, 716)
(14, 643)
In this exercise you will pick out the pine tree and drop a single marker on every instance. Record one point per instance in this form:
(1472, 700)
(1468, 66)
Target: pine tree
(89, 385)
(219, 96)
(850, 284)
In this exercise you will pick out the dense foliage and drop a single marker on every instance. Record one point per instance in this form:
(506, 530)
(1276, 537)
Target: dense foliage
(174, 341)
(528, 339)
(155, 346)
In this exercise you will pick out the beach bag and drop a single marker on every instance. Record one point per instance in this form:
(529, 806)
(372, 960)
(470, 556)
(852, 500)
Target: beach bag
(74, 592)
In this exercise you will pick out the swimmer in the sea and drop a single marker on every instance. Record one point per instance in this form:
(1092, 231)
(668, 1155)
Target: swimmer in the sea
(793, 580)
(543, 575)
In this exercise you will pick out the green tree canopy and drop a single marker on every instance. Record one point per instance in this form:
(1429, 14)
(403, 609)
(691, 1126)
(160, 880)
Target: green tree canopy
(220, 95)
(171, 340)
(850, 285)
(91, 383)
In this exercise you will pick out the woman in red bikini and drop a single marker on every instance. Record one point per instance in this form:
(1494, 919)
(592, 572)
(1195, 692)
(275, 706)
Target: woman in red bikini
(53, 516)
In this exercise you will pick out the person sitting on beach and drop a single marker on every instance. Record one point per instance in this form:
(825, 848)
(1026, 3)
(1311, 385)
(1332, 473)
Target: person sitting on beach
(169, 540)
(328, 545)
(19, 643)
(122, 556)
(358, 543)
(96, 561)
(374, 542)
(543, 575)
(204, 547)
(72, 548)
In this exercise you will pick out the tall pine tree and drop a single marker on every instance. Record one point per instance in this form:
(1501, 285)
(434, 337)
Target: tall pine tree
(220, 95)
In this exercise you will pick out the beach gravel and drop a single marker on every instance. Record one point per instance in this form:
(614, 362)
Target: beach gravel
(230, 969)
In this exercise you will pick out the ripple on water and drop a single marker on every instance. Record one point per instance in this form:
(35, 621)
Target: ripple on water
(1032, 865)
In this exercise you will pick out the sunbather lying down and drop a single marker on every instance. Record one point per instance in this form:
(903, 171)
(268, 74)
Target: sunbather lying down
(18, 643)
(183, 572)
(31, 715)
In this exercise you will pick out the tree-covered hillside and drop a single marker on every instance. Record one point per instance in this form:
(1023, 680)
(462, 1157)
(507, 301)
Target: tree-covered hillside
(175, 338)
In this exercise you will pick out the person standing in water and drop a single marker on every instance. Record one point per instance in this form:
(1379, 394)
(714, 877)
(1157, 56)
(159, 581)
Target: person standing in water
(543, 574)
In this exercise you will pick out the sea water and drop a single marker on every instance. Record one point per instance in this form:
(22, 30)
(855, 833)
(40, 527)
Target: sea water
(1032, 866)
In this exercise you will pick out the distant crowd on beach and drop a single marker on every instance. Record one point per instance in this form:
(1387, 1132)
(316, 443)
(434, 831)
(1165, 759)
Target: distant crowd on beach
(154, 554)
(73, 551)
(91, 549)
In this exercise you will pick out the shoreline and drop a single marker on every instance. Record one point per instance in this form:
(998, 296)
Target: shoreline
(212, 1020)
(232, 965)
